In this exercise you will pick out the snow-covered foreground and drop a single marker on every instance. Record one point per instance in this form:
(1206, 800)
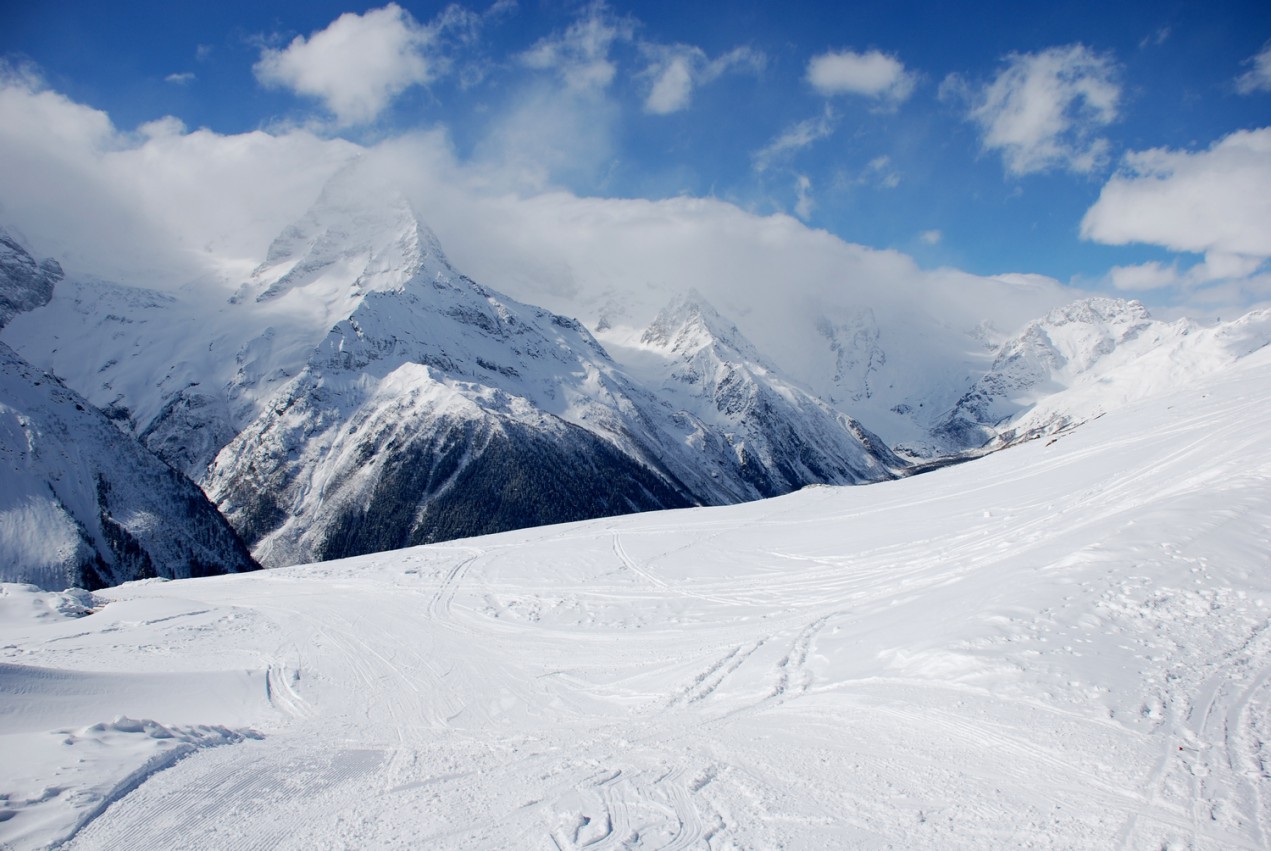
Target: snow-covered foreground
(1063, 645)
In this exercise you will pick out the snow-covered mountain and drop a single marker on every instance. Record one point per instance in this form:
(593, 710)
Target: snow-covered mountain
(436, 410)
(25, 284)
(428, 406)
(82, 504)
(1085, 359)
(353, 392)
(1064, 645)
(746, 421)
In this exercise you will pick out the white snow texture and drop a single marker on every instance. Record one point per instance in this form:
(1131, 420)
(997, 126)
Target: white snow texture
(1065, 644)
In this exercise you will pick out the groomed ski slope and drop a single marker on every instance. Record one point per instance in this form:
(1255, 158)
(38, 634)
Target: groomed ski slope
(1066, 645)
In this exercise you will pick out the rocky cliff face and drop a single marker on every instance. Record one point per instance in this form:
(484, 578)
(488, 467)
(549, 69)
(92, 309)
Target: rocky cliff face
(24, 283)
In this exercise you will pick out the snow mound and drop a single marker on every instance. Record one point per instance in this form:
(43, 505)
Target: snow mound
(86, 769)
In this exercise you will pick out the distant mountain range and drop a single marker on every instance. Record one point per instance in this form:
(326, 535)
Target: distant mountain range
(356, 393)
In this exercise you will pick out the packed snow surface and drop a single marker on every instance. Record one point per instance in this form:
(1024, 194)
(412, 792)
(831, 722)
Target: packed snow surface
(1066, 644)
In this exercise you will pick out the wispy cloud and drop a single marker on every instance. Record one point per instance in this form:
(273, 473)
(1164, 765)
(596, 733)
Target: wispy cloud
(580, 55)
(1155, 39)
(182, 79)
(1258, 77)
(1044, 111)
(676, 70)
(803, 203)
(1144, 276)
(795, 138)
(872, 74)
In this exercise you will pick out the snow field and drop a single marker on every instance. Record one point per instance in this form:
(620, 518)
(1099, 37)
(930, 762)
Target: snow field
(1066, 644)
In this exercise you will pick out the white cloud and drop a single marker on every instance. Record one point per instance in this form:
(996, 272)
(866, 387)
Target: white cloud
(548, 136)
(181, 79)
(580, 55)
(795, 138)
(1216, 271)
(357, 65)
(931, 237)
(803, 196)
(871, 74)
(880, 172)
(673, 86)
(1155, 39)
(1216, 202)
(1258, 77)
(1044, 110)
(1145, 276)
(677, 70)
(159, 206)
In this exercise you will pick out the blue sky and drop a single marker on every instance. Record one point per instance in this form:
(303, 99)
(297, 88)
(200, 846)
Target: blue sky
(974, 135)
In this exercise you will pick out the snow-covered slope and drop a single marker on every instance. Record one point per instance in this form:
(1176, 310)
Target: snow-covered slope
(80, 503)
(1085, 359)
(1063, 645)
(83, 505)
(439, 410)
(747, 422)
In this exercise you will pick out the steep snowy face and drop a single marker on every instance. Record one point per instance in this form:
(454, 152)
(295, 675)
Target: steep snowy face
(24, 283)
(83, 505)
(858, 356)
(751, 425)
(345, 246)
(187, 371)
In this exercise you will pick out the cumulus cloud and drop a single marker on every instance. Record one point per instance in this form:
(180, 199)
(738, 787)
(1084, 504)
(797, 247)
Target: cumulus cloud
(1258, 77)
(580, 55)
(1045, 110)
(1216, 201)
(795, 138)
(158, 206)
(181, 79)
(871, 74)
(676, 70)
(357, 65)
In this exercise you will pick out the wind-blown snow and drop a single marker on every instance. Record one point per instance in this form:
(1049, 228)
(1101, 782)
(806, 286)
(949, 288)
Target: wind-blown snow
(1066, 644)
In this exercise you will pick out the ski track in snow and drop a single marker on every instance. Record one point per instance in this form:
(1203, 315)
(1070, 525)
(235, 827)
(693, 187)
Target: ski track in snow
(1063, 645)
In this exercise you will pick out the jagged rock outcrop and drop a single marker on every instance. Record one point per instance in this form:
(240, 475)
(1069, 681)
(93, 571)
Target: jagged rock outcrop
(25, 284)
